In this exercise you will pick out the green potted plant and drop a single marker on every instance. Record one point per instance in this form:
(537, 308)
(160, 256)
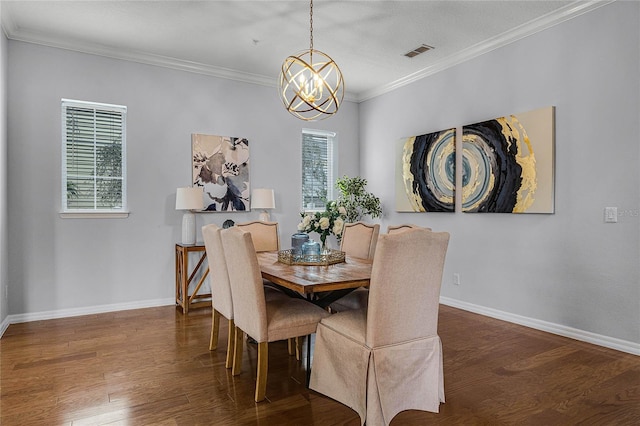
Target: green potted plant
(356, 200)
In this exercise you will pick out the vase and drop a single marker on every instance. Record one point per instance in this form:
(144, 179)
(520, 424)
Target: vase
(326, 247)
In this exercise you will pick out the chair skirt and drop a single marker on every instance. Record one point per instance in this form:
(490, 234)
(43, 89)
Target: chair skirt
(378, 383)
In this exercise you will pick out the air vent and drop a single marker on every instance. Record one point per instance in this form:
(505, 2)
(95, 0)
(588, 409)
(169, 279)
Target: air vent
(418, 50)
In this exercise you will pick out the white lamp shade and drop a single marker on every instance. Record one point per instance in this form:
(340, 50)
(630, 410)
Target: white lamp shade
(262, 198)
(189, 198)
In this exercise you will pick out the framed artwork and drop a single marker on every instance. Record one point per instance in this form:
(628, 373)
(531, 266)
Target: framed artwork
(425, 172)
(508, 164)
(221, 168)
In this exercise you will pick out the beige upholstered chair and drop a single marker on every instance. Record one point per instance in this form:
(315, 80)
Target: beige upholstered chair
(220, 289)
(388, 358)
(394, 229)
(262, 319)
(359, 239)
(358, 298)
(265, 234)
(266, 238)
(221, 299)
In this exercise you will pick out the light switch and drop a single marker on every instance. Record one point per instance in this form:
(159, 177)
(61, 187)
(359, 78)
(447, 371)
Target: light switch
(610, 214)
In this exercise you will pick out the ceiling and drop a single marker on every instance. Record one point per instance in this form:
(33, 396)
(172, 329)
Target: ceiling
(248, 40)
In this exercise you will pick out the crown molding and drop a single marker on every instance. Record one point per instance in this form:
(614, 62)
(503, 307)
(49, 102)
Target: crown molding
(556, 17)
(570, 11)
(136, 56)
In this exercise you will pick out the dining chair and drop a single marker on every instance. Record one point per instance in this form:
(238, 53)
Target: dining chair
(359, 298)
(221, 297)
(262, 319)
(359, 239)
(393, 229)
(387, 358)
(221, 301)
(264, 234)
(266, 238)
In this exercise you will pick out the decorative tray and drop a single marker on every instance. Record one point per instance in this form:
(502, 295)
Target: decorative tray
(329, 258)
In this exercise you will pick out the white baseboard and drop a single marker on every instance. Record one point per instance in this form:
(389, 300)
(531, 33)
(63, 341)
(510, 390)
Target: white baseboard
(4, 326)
(65, 313)
(561, 330)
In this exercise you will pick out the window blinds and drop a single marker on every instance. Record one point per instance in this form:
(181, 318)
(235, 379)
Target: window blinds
(94, 156)
(317, 169)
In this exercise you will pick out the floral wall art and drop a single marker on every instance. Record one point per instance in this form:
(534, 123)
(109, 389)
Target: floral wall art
(508, 162)
(221, 168)
(425, 173)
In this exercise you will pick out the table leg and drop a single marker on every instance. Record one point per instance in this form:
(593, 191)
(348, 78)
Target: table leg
(326, 298)
(308, 359)
(185, 283)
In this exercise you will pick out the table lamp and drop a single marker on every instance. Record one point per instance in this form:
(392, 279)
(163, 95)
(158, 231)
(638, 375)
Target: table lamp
(189, 199)
(262, 198)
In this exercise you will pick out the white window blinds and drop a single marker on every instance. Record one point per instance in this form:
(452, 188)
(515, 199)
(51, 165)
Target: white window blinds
(93, 163)
(317, 168)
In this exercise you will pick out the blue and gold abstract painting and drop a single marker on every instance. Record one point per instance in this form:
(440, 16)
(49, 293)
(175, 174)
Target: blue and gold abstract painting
(507, 164)
(427, 165)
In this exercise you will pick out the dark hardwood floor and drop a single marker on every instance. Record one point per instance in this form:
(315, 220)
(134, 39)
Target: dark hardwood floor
(153, 367)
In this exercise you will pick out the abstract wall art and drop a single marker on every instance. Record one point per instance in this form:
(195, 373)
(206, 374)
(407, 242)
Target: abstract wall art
(425, 172)
(221, 168)
(508, 164)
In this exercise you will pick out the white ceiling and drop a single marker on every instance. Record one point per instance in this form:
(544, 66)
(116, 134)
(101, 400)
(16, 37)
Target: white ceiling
(248, 40)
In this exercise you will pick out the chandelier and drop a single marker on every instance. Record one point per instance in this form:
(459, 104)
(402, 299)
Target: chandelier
(311, 85)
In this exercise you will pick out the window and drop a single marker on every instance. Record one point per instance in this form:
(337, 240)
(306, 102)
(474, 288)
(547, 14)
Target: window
(318, 168)
(93, 158)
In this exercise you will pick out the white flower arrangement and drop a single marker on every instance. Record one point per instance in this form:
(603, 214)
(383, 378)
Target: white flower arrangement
(329, 222)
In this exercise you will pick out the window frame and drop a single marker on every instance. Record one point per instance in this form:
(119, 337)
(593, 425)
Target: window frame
(331, 170)
(65, 211)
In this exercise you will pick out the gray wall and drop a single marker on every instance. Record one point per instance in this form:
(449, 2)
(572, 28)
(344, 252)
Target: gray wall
(4, 277)
(568, 268)
(64, 264)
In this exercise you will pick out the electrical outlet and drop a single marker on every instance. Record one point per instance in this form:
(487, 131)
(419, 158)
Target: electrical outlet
(456, 279)
(610, 214)
(6, 292)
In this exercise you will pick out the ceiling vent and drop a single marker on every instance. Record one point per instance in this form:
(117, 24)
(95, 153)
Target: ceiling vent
(418, 50)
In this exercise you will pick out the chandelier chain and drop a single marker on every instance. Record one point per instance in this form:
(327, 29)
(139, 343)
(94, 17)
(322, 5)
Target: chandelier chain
(311, 26)
(311, 89)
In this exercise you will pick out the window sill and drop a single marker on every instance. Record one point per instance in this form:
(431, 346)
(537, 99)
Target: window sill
(94, 215)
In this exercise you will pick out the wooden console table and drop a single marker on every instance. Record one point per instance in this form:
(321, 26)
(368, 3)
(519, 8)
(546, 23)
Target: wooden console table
(184, 277)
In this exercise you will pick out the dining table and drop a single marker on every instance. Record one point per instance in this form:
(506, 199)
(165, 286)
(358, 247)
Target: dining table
(319, 284)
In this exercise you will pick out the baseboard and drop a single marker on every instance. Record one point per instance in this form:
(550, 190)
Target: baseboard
(90, 310)
(4, 326)
(561, 330)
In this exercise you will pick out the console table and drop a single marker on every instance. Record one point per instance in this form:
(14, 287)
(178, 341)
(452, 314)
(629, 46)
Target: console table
(184, 277)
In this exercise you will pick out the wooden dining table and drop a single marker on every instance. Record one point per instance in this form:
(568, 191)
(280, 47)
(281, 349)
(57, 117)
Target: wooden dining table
(320, 284)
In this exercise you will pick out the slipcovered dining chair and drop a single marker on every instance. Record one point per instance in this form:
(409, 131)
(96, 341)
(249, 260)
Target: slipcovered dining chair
(264, 234)
(221, 298)
(394, 229)
(359, 239)
(387, 358)
(359, 298)
(262, 319)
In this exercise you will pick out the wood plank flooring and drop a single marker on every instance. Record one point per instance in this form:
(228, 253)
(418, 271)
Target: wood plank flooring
(153, 367)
